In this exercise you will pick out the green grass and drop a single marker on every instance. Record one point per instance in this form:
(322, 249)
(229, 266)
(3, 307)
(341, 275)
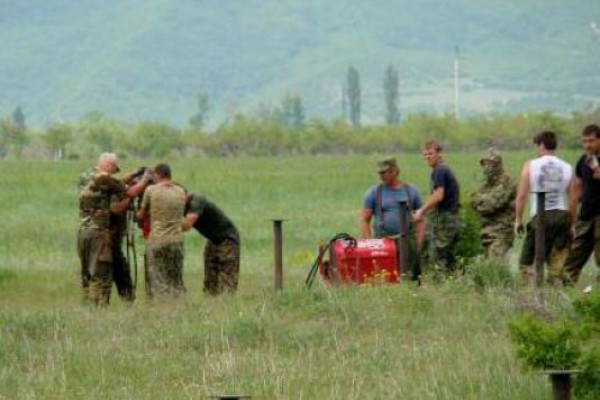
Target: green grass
(436, 342)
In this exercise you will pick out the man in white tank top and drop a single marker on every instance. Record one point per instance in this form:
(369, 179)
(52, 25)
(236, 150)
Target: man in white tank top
(551, 175)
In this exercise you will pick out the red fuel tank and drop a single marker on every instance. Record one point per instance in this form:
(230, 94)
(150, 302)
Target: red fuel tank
(361, 261)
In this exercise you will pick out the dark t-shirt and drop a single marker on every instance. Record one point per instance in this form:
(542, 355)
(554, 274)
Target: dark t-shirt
(443, 177)
(212, 222)
(590, 190)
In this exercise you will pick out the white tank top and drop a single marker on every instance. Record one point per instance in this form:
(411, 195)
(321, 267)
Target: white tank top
(552, 175)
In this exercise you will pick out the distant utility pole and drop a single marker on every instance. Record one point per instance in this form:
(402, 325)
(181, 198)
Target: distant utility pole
(456, 83)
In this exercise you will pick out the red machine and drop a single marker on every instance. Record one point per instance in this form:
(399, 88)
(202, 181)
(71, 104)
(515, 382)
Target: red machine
(353, 261)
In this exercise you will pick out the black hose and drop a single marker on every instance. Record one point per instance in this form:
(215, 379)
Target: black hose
(315, 266)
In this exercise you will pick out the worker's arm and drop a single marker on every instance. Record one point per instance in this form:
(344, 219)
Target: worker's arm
(522, 192)
(574, 197)
(431, 204)
(138, 188)
(189, 221)
(365, 223)
(420, 231)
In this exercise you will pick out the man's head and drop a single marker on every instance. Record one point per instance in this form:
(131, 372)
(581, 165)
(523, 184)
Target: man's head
(162, 172)
(590, 139)
(491, 164)
(108, 163)
(545, 142)
(432, 153)
(387, 168)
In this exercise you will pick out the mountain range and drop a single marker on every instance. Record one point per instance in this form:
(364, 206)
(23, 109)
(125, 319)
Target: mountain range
(146, 60)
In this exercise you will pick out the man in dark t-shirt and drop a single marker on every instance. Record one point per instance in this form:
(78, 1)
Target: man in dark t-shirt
(222, 251)
(585, 190)
(443, 204)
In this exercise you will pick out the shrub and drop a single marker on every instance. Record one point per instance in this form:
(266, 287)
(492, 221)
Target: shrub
(469, 244)
(587, 383)
(572, 342)
(545, 345)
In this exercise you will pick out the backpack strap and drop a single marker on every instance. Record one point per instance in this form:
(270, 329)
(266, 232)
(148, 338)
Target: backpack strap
(379, 207)
(379, 204)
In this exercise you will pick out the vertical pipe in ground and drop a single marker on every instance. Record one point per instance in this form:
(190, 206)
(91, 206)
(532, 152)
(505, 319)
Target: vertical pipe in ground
(278, 252)
(403, 242)
(540, 239)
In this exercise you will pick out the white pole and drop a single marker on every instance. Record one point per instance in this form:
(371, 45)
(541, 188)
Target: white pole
(456, 84)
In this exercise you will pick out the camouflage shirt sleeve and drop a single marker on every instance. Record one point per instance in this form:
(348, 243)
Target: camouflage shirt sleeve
(84, 179)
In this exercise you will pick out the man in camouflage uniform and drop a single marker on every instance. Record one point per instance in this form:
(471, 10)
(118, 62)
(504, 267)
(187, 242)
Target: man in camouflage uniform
(443, 204)
(222, 251)
(103, 199)
(164, 204)
(494, 201)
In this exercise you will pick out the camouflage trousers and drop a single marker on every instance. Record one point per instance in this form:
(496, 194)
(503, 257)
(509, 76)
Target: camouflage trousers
(164, 270)
(221, 267)
(585, 242)
(446, 227)
(95, 256)
(556, 246)
(497, 247)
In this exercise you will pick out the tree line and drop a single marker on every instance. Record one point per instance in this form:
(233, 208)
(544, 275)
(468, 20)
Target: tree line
(285, 129)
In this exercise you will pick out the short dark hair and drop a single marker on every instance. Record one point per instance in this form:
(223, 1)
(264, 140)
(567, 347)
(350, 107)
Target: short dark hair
(547, 138)
(590, 130)
(433, 144)
(163, 170)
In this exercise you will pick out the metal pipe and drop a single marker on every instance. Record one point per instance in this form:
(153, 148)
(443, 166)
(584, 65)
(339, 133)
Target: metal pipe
(540, 239)
(278, 252)
(403, 259)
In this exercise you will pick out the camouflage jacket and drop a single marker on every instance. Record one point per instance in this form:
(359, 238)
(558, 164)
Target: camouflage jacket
(96, 192)
(495, 203)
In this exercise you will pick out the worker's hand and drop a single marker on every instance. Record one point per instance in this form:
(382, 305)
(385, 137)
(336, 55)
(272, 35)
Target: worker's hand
(417, 215)
(148, 177)
(519, 228)
(140, 171)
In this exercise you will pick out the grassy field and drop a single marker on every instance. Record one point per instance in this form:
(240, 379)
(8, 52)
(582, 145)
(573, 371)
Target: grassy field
(435, 342)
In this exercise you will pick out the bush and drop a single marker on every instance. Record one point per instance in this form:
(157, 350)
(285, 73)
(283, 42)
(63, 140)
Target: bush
(588, 307)
(469, 244)
(545, 345)
(572, 342)
(587, 383)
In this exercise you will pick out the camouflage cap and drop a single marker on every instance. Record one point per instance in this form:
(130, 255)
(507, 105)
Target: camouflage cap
(386, 163)
(491, 156)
